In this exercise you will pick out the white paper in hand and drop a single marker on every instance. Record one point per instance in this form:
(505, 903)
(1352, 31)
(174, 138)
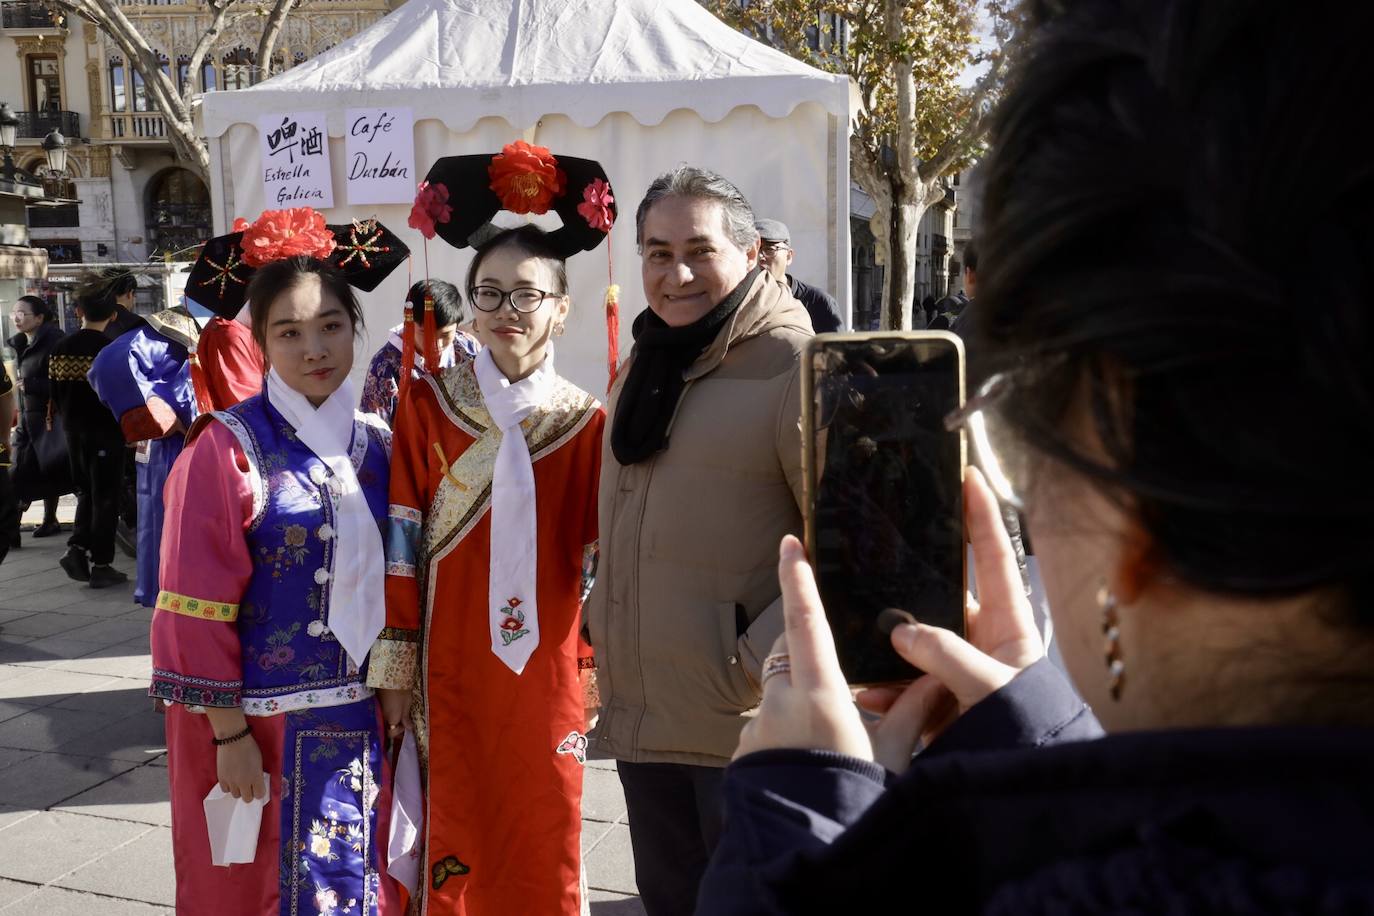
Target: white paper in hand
(233, 825)
(407, 818)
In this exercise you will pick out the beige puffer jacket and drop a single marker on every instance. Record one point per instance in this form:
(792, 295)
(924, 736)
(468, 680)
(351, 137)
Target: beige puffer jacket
(686, 603)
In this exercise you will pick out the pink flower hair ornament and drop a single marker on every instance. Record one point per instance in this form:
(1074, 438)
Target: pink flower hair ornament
(431, 207)
(595, 208)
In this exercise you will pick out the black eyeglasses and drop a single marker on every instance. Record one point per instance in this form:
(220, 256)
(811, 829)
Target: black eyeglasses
(523, 299)
(770, 248)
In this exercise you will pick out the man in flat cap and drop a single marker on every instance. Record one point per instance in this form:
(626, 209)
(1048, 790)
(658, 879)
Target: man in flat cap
(775, 256)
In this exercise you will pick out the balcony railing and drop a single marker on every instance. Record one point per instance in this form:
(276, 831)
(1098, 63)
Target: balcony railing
(139, 125)
(38, 123)
(23, 14)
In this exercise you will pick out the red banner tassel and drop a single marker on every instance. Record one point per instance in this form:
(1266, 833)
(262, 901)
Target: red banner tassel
(612, 332)
(201, 387)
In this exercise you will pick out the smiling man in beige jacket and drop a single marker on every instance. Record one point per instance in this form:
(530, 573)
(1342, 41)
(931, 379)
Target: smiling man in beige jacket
(700, 479)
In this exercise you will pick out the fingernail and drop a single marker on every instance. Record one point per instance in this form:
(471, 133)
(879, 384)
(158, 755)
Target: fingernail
(904, 636)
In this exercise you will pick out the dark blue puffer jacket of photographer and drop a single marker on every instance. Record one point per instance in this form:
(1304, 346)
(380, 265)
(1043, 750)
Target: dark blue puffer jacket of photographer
(1022, 807)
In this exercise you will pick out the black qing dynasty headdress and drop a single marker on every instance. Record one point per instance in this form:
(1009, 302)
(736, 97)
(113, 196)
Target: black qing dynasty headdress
(521, 179)
(364, 251)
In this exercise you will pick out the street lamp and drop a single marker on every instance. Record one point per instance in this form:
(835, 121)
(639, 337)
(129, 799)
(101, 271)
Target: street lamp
(9, 126)
(55, 146)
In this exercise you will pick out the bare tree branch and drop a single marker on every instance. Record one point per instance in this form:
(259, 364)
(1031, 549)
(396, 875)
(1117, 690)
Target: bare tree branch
(267, 45)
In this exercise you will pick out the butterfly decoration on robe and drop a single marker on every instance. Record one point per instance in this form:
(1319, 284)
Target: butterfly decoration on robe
(446, 868)
(575, 744)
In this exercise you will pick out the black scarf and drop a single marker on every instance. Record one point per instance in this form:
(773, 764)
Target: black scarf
(662, 357)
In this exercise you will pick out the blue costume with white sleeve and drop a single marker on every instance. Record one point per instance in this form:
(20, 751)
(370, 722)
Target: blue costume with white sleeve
(144, 377)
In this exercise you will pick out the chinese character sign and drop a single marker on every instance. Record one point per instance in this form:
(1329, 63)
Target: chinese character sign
(381, 156)
(295, 161)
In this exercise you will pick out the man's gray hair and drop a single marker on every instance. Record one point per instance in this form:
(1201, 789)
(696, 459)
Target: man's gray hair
(690, 181)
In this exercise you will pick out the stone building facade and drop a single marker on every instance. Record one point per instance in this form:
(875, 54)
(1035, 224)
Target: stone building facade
(137, 202)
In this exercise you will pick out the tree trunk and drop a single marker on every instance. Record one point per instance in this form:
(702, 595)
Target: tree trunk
(267, 45)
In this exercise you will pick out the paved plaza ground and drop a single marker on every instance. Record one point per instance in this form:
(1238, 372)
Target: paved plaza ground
(84, 818)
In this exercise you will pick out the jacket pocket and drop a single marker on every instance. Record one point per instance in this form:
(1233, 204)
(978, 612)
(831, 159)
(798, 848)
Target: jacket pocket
(741, 690)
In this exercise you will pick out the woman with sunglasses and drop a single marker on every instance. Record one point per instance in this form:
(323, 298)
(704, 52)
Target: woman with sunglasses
(1193, 459)
(493, 531)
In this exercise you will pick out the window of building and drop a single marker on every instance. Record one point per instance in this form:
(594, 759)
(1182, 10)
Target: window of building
(209, 82)
(178, 212)
(64, 217)
(183, 72)
(118, 99)
(141, 101)
(61, 251)
(238, 68)
(45, 88)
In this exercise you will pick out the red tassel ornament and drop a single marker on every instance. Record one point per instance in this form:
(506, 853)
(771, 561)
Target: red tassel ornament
(407, 350)
(612, 333)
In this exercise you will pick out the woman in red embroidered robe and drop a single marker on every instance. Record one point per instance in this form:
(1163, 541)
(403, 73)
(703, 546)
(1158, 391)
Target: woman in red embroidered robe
(490, 551)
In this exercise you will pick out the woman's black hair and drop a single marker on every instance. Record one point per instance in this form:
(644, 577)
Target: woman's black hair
(531, 240)
(1145, 274)
(448, 305)
(278, 277)
(38, 306)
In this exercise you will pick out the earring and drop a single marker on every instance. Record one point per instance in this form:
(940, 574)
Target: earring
(1111, 631)
(558, 329)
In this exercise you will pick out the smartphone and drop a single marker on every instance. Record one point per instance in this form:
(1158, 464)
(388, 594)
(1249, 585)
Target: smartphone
(884, 489)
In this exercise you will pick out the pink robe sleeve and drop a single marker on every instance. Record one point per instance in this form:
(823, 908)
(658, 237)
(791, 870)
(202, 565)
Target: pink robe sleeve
(197, 658)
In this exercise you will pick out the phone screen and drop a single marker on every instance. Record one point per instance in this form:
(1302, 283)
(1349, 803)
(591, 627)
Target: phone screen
(886, 491)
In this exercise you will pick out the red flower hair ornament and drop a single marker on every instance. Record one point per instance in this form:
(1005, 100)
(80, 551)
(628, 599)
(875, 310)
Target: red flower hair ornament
(526, 178)
(279, 234)
(431, 206)
(596, 205)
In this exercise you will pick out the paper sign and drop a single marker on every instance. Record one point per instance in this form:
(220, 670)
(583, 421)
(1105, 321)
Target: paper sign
(295, 161)
(381, 156)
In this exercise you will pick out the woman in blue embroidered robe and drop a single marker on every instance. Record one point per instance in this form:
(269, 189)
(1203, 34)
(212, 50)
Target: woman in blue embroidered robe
(264, 672)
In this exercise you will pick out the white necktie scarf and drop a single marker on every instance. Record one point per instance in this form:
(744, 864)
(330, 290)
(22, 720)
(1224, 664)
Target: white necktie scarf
(357, 607)
(512, 611)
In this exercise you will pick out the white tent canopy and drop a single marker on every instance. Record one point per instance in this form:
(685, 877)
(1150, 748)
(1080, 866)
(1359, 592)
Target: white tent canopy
(639, 85)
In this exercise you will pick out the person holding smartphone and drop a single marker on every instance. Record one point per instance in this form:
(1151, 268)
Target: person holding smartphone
(1194, 468)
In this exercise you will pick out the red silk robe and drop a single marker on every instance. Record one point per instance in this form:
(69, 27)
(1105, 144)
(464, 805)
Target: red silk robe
(232, 362)
(501, 754)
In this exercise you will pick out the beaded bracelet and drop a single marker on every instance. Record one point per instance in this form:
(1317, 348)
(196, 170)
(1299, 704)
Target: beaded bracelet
(220, 742)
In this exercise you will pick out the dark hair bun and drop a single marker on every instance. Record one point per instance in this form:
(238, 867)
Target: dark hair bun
(1173, 233)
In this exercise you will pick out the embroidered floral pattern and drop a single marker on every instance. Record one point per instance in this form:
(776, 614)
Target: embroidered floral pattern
(194, 691)
(197, 607)
(392, 663)
(513, 626)
(304, 699)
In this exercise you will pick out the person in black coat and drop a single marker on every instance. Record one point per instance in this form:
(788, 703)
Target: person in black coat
(95, 443)
(39, 469)
(775, 256)
(1194, 468)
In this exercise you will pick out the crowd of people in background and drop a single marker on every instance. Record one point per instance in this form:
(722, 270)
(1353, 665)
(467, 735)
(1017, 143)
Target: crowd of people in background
(405, 617)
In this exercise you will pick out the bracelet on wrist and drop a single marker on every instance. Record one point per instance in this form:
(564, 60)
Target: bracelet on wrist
(221, 742)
